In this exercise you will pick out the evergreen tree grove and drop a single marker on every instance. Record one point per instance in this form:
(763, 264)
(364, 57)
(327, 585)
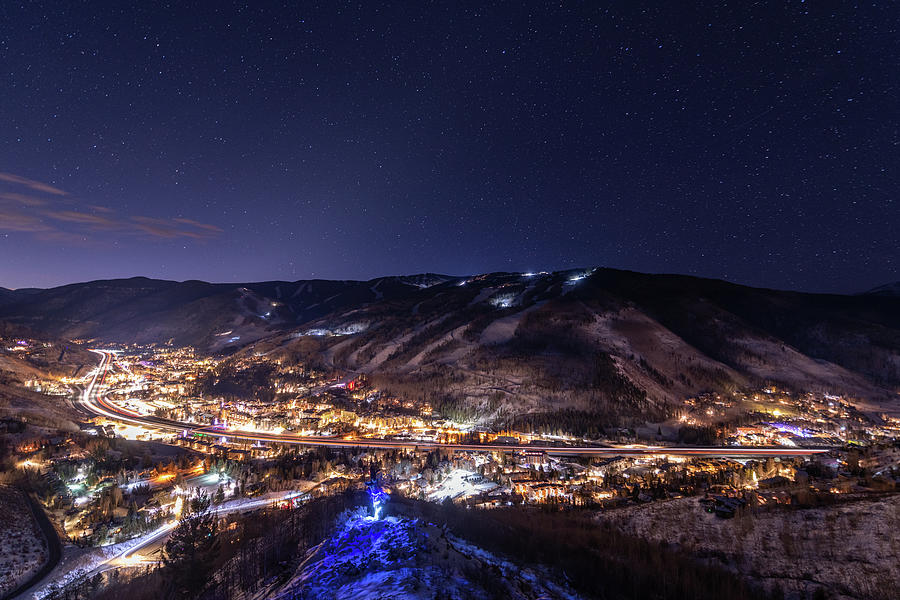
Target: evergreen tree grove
(192, 548)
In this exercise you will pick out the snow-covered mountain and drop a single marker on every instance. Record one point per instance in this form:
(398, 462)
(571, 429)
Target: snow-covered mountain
(603, 342)
(210, 316)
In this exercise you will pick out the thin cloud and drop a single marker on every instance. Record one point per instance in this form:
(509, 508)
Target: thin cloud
(62, 219)
(73, 216)
(193, 223)
(16, 220)
(155, 227)
(58, 236)
(23, 199)
(174, 228)
(31, 183)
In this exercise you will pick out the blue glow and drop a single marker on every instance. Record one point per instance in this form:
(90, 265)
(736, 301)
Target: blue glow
(792, 429)
(378, 498)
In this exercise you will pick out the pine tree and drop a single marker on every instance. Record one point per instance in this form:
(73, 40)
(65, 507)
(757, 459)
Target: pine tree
(191, 549)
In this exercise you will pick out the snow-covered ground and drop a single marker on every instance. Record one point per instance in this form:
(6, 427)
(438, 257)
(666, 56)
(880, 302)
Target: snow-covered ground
(460, 483)
(77, 562)
(503, 329)
(23, 549)
(402, 558)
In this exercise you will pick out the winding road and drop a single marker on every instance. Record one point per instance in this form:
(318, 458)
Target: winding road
(94, 401)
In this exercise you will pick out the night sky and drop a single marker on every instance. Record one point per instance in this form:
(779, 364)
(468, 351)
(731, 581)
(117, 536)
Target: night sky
(759, 144)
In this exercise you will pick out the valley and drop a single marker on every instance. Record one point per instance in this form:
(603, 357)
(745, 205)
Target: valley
(594, 391)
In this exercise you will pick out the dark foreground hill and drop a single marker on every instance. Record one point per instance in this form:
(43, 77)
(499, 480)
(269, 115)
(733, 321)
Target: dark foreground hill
(423, 551)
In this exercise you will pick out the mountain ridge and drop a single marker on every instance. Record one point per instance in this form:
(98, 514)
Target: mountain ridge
(498, 345)
(599, 340)
(144, 310)
(888, 289)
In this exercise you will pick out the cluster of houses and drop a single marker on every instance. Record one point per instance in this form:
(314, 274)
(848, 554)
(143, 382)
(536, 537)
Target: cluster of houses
(209, 445)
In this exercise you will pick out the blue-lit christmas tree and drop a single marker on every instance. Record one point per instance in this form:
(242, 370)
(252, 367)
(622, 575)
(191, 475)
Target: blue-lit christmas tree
(377, 496)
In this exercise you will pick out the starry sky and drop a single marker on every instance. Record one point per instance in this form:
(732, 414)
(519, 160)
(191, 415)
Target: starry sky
(758, 143)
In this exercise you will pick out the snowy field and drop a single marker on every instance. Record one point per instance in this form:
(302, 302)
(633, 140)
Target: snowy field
(460, 484)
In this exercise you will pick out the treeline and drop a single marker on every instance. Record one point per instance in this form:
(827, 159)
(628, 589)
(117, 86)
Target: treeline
(589, 386)
(565, 422)
(228, 381)
(597, 561)
(427, 385)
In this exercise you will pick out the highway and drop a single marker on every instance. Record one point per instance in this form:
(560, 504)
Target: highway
(94, 401)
